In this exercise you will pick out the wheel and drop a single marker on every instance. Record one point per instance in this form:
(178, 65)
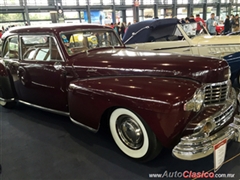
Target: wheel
(4, 104)
(133, 136)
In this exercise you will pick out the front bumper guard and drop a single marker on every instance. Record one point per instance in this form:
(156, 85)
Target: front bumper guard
(202, 147)
(197, 146)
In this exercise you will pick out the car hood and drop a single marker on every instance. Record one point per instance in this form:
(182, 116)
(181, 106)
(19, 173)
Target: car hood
(218, 40)
(129, 62)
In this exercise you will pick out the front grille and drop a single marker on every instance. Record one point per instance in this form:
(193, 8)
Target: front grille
(223, 117)
(216, 93)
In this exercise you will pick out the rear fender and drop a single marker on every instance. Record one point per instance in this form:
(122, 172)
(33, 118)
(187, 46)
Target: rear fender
(5, 83)
(156, 100)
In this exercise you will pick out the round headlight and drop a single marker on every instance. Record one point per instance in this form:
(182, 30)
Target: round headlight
(198, 100)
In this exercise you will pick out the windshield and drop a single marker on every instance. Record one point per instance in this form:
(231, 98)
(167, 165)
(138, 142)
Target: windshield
(81, 41)
(194, 29)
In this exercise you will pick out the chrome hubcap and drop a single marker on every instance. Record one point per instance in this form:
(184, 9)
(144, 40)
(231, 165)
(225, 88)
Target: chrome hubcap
(129, 132)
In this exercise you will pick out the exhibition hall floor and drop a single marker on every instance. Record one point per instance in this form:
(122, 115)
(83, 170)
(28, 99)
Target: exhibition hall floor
(41, 145)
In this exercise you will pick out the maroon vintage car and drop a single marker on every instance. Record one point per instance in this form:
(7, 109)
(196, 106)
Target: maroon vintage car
(148, 100)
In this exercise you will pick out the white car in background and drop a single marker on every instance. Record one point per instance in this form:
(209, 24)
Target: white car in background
(168, 35)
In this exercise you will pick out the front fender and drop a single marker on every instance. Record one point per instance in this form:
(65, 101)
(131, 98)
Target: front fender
(159, 101)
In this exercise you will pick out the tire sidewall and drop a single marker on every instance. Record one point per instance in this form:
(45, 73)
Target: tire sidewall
(136, 154)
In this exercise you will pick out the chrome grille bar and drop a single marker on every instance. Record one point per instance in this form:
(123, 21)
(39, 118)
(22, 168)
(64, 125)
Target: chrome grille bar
(224, 117)
(215, 93)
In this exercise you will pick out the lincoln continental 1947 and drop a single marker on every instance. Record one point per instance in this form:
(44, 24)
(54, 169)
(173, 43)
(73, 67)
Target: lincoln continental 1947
(148, 100)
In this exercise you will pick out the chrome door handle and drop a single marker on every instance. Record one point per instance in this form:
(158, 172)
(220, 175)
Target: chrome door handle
(57, 65)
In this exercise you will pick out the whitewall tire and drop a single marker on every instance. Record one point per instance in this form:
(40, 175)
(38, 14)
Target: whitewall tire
(4, 104)
(133, 136)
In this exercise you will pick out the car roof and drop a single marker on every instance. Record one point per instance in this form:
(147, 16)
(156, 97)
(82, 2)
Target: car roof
(147, 26)
(54, 28)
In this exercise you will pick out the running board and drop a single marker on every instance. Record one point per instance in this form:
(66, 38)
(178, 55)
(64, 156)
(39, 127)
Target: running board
(44, 108)
(84, 126)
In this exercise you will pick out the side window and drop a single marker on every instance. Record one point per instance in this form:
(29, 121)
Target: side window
(190, 29)
(39, 48)
(30, 45)
(10, 50)
(54, 53)
(179, 34)
(164, 33)
(42, 54)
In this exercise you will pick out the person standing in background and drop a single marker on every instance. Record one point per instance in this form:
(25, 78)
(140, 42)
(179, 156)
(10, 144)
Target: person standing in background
(187, 20)
(236, 22)
(200, 23)
(112, 25)
(191, 19)
(116, 29)
(123, 27)
(232, 23)
(211, 24)
(119, 29)
(227, 25)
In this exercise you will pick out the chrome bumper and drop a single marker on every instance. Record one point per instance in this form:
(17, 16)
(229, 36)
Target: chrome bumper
(199, 148)
(194, 147)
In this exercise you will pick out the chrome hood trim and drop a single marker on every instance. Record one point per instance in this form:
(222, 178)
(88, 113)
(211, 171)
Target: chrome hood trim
(214, 40)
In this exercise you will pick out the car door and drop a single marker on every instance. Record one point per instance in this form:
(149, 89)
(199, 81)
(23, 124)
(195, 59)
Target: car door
(39, 73)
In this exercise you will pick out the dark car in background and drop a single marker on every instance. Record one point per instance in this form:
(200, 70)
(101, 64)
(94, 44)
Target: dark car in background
(234, 63)
(147, 99)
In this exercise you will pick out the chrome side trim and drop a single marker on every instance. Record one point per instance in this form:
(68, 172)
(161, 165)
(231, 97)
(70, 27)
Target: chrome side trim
(42, 85)
(7, 100)
(217, 45)
(44, 108)
(84, 126)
